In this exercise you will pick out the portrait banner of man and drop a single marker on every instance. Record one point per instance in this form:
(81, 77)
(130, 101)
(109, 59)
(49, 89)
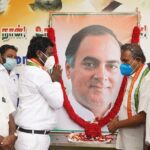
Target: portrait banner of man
(88, 48)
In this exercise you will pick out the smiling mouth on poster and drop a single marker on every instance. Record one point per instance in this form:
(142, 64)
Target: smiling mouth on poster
(62, 28)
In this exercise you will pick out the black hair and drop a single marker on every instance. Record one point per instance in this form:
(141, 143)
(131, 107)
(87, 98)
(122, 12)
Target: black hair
(38, 43)
(135, 50)
(80, 35)
(5, 47)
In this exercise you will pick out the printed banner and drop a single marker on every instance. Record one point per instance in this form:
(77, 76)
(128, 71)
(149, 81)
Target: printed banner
(91, 71)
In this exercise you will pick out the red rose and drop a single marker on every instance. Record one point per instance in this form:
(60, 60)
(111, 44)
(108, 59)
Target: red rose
(92, 130)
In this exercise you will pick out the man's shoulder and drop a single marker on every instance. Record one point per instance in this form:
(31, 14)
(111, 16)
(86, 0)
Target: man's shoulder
(34, 74)
(35, 71)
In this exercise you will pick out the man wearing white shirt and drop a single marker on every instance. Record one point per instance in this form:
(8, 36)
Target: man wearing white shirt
(7, 70)
(131, 118)
(7, 124)
(145, 106)
(40, 94)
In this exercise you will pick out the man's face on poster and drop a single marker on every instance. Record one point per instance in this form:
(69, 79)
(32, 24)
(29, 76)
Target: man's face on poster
(95, 75)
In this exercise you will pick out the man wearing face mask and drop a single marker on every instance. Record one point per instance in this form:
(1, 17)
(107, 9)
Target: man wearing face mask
(7, 69)
(40, 94)
(49, 64)
(7, 125)
(131, 118)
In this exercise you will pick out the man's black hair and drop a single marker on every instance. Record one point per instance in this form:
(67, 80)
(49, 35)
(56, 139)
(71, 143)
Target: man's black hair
(135, 50)
(80, 35)
(5, 47)
(38, 43)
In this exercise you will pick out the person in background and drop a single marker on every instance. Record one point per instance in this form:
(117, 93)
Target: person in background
(7, 70)
(46, 5)
(40, 95)
(7, 125)
(3, 6)
(92, 65)
(131, 118)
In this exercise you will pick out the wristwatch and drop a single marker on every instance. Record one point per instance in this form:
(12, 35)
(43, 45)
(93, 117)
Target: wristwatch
(15, 134)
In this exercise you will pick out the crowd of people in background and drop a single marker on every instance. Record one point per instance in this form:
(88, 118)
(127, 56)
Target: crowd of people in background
(29, 102)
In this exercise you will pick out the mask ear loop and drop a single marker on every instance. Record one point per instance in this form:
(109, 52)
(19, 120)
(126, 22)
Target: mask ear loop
(41, 59)
(135, 67)
(44, 55)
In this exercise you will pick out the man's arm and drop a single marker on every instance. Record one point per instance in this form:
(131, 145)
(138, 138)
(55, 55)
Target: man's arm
(1, 138)
(12, 125)
(131, 122)
(51, 91)
(9, 141)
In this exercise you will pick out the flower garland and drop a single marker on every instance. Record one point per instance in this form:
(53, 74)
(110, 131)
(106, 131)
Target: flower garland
(136, 35)
(91, 129)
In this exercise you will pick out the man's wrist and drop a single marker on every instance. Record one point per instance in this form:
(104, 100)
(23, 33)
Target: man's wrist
(14, 134)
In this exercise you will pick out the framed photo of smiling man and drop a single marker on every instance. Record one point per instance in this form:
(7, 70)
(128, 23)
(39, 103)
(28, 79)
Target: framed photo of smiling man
(88, 47)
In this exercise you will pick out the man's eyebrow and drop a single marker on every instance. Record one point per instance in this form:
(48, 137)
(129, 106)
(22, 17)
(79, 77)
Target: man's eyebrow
(113, 61)
(89, 58)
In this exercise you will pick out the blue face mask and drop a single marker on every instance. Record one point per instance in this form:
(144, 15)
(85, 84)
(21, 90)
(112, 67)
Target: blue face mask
(126, 69)
(10, 63)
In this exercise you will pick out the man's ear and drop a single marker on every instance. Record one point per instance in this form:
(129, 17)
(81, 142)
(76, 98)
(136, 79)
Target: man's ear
(38, 53)
(3, 60)
(68, 70)
(138, 59)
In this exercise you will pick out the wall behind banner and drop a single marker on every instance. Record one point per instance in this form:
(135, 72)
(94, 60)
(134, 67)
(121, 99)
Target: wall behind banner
(19, 21)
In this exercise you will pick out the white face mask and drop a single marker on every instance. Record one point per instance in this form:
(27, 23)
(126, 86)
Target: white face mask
(50, 62)
(10, 63)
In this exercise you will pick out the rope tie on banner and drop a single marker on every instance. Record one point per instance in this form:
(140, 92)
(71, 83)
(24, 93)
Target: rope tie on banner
(50, 20)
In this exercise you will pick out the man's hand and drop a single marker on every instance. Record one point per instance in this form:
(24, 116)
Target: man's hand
(135, 120)
(8, 142)
(1, 138)
(113, 125)
(57, 73)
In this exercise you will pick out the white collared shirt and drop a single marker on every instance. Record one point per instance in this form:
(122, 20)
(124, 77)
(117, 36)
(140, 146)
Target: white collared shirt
(11, 82)
(144, 104)
(130, 138)
(6, 108)
(64, 122)
(39, 98)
